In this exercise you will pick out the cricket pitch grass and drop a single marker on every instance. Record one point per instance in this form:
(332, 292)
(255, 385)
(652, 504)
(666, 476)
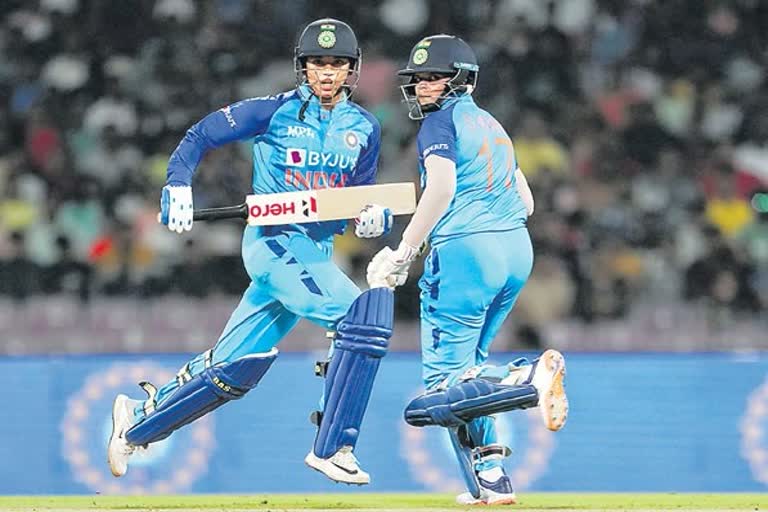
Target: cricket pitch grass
(561, 502)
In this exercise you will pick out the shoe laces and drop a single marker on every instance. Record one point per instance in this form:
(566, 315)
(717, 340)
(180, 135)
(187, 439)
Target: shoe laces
(345, 456)
(126, 449)
(129, 449)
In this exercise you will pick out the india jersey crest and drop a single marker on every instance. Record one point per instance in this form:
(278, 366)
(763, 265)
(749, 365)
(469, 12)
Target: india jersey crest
(351, 140)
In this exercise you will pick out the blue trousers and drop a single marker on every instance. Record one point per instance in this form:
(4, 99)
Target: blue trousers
(469, 286)
(292, 277)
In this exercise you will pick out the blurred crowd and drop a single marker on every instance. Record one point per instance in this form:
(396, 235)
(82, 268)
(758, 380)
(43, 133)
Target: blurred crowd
(642, 127)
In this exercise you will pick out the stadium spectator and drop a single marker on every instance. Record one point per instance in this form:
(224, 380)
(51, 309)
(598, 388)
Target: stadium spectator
(619, 127)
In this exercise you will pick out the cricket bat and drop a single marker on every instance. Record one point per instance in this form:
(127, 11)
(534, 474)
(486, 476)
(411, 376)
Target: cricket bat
(315, 205)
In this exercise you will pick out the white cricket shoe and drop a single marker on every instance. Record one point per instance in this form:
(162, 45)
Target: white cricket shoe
(548, 376)
(499, 492)
(341, 467)
(118, 450)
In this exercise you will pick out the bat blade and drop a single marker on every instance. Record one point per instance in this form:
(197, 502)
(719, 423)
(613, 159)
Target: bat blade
(328, 204)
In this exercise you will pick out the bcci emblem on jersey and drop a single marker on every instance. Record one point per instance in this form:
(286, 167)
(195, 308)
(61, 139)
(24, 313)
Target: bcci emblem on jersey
(351, 140)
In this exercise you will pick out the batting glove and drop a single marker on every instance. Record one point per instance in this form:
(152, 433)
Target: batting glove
(176, 208)
(373, 221)
(389, 268)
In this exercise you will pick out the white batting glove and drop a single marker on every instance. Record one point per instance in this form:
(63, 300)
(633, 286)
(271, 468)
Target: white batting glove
(389, 268)
(373, 221)
(176, 209)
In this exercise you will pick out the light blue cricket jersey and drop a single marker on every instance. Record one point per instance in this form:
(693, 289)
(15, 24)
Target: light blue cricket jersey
(486, 190)
(295, 147)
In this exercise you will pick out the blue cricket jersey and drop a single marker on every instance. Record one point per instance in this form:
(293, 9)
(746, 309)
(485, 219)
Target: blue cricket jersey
(486, 190)
(297, 146)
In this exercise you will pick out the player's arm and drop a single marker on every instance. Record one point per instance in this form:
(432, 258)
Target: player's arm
(438, 193)
(241, 120)
(524, 190)
(437, 144)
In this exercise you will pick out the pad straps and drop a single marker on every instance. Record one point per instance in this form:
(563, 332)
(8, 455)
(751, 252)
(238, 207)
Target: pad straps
(490, 452)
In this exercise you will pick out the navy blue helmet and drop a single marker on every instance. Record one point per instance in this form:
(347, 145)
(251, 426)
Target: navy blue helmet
(441, 55)
(328, 37)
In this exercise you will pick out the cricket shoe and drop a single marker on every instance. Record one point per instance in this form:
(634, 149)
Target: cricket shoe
(547, 376)
(119, 450)
(341, 467)
(499, 492)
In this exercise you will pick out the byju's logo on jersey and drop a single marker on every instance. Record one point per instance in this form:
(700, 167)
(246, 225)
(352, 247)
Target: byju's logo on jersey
(302, 158)
(295, 157)
(300, 131)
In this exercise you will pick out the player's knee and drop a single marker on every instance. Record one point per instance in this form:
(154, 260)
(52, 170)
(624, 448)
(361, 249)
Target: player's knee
(432, 380)
(362, 339)
(232, 380)
(210, 389)
(443, 406)
(367, 326)
(448, 375)
(466, 401)
(431, 409)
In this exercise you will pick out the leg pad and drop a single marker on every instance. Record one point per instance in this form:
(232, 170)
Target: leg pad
(466, 401)
(362, 339)
(213, 387)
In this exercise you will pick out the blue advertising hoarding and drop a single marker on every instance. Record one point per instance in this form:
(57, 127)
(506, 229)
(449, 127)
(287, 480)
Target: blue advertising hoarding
(638, 422)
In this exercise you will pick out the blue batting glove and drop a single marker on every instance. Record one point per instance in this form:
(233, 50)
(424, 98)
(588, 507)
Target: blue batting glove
(176, 208)
(373, 221)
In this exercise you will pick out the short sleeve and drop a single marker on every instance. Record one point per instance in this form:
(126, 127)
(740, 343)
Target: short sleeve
(437, 136)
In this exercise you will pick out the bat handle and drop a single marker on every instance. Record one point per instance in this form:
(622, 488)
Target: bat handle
(239, 211)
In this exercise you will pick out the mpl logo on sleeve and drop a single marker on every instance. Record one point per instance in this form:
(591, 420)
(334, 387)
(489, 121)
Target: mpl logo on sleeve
(282, 208)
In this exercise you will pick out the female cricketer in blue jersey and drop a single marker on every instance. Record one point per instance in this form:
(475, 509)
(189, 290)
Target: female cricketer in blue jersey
(473, 212)
(311, 137)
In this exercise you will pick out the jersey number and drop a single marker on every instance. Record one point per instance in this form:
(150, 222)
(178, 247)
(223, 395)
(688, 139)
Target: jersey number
(485, 150)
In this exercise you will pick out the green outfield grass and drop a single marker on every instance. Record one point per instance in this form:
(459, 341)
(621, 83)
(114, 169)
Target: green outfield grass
(534, 501)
